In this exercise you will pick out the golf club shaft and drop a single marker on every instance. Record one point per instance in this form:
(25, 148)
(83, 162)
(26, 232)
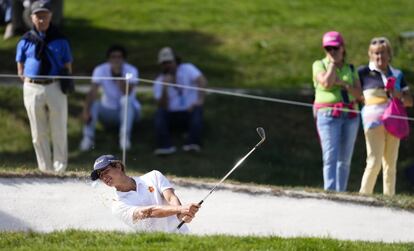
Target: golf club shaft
(225, 177)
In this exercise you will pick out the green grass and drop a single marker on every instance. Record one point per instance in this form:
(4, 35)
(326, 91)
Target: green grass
(82, 240)
(256, 44)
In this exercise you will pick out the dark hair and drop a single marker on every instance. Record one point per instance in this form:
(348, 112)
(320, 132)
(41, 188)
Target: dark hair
(177, 58)
(116, 47)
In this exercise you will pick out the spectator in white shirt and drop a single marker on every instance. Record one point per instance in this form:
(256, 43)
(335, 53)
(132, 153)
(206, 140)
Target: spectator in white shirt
(110, 109)
(178, 107)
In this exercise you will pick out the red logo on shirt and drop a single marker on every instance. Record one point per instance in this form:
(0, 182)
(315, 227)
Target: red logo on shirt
(151, 189)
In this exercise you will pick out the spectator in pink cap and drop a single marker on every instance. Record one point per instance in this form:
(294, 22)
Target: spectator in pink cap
(337, 90)
(332, 38)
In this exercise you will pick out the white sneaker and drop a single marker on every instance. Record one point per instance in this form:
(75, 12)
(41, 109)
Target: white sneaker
(123, 142)
(165, 151)
(191, 147)
(86, 144)
(8, 33)
(59, 167)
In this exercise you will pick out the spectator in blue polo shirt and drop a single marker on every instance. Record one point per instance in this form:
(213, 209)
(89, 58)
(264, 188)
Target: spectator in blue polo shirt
(178, 107)
(44, 52)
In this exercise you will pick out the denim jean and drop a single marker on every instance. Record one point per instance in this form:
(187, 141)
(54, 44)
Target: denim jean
(337, 136)
(166, 120)
(111, 118)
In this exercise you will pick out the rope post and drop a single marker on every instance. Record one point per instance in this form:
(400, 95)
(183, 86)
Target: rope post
(128, 77)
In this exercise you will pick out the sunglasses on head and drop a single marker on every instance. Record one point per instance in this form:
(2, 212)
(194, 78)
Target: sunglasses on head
(378, 41)
(331, 48)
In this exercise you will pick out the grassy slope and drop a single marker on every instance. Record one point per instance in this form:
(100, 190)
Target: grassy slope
(81, 240)
(259, 43)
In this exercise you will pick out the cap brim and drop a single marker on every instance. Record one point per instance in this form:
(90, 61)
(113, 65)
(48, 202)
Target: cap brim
(40, 10)
(336, 44)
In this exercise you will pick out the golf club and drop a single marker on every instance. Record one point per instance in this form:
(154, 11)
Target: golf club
(262, 135)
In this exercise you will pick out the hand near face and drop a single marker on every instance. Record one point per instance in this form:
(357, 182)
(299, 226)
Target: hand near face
(335, 56)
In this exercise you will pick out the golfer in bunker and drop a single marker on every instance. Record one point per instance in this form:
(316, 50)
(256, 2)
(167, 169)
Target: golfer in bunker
(147, 202)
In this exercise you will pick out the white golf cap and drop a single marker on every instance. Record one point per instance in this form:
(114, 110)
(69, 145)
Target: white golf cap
(165, 54)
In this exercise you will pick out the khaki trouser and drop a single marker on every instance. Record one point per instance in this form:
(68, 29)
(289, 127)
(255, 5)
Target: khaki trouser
(382, 148)
(47, 110)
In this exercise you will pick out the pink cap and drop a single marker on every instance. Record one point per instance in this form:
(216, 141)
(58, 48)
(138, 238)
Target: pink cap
(332, 38)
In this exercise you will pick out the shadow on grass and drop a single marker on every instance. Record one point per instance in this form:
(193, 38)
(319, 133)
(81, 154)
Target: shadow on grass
(8, 62)
(89, 45)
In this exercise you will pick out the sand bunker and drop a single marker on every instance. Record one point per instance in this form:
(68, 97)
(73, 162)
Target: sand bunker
(45, 205)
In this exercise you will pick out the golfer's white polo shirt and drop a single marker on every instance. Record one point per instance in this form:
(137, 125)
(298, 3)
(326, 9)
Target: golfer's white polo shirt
(149, 192)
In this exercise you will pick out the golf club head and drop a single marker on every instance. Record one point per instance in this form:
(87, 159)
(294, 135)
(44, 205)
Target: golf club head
(261, 133)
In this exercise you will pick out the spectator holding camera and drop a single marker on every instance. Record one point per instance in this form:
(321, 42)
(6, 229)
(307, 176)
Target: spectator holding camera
(114, 104)
(178, 107)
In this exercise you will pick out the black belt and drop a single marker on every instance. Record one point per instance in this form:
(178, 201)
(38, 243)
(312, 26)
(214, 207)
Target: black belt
(40, 81)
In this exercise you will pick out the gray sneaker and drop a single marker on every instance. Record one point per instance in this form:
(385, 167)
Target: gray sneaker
(165, 150)
(86, 144)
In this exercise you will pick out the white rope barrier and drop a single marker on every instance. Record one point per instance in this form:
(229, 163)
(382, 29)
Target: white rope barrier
(207, 90)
